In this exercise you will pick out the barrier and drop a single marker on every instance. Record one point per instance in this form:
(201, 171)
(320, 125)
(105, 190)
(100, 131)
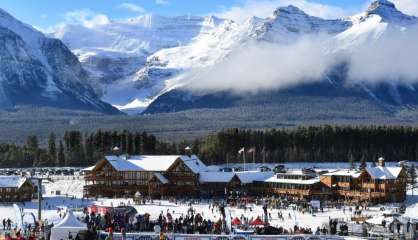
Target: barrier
(154, 236)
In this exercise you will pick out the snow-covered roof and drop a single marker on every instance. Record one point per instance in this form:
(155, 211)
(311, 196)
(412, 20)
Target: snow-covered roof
(194, 163)
(120, 164)
(225, 177)
(157, 163)
(252, 176)
(311, 181)
(384, 173)
(344, 172)
(12, 181)
(221, 177)
(87, 169)
(162, 179)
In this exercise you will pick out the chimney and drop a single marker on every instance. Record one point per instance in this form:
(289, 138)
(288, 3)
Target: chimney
(381, 162)
(188, 151)
(116, 151)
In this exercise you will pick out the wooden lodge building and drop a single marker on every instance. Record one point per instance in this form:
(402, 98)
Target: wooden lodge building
(177, 175)
(375, 184)
(16, 189)
(149, 175)
(299, 184)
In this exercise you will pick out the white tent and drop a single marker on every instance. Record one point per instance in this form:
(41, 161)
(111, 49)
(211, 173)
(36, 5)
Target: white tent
(68, 225)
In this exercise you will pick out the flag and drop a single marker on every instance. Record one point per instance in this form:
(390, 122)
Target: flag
(252, 150)
(241, 150)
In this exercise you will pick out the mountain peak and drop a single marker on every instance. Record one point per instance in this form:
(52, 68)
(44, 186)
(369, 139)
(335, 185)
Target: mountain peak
(289, 10)
(381, 4)
(389, 13)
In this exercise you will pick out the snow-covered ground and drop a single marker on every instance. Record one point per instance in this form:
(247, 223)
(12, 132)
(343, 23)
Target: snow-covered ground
(72, 190)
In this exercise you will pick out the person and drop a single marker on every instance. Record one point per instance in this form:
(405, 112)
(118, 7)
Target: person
(318, 231)
(9, 224)
(4, 224)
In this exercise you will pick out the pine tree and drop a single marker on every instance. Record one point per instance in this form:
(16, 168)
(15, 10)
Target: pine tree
(52, 150)
(61, 155)
(32, 150)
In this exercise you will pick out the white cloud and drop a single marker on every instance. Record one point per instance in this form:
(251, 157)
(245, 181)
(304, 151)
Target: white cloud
(407, 6)
(265, 8)
(385, 60)
(86, 18)
(161, 2)
(260, 66)
(263, 66)
(132, 7)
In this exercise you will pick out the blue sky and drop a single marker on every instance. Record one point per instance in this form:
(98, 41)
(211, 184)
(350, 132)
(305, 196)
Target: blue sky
(47, 13)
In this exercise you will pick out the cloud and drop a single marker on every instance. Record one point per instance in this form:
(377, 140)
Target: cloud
(265, 8)
(385, 60)
(86, 18)
(407, 6)
(132, 7)
(260, 66)
(264, 66)
(161, 2)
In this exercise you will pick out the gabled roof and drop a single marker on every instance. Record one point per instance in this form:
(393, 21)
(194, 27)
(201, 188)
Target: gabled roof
(384, 173)
(156, 163)
(161, 178)
(120, 164)
(12, 181)
(194, 163)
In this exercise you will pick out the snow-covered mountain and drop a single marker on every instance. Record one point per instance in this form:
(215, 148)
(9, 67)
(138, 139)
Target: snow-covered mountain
(40, 71)
(134, 62)
(115, 54)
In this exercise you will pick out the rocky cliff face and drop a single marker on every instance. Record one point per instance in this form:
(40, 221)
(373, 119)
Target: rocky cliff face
(39, 71)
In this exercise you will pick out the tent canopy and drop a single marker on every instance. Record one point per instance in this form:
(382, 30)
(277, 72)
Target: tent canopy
(68, 226)
(70, 221)
(257, 222)
(236, 221)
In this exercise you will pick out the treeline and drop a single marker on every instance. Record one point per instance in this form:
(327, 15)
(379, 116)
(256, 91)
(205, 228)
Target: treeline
(302, 144)
(313, 144)
(78, 149)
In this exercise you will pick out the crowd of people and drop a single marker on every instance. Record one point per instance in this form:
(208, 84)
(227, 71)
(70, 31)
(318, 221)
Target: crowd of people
(190, 223)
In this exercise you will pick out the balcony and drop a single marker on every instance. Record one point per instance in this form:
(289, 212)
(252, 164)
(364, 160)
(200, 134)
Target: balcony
(102, 178)
(299, 192)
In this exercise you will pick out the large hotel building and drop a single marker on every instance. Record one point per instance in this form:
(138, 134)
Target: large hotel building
(182, 175)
